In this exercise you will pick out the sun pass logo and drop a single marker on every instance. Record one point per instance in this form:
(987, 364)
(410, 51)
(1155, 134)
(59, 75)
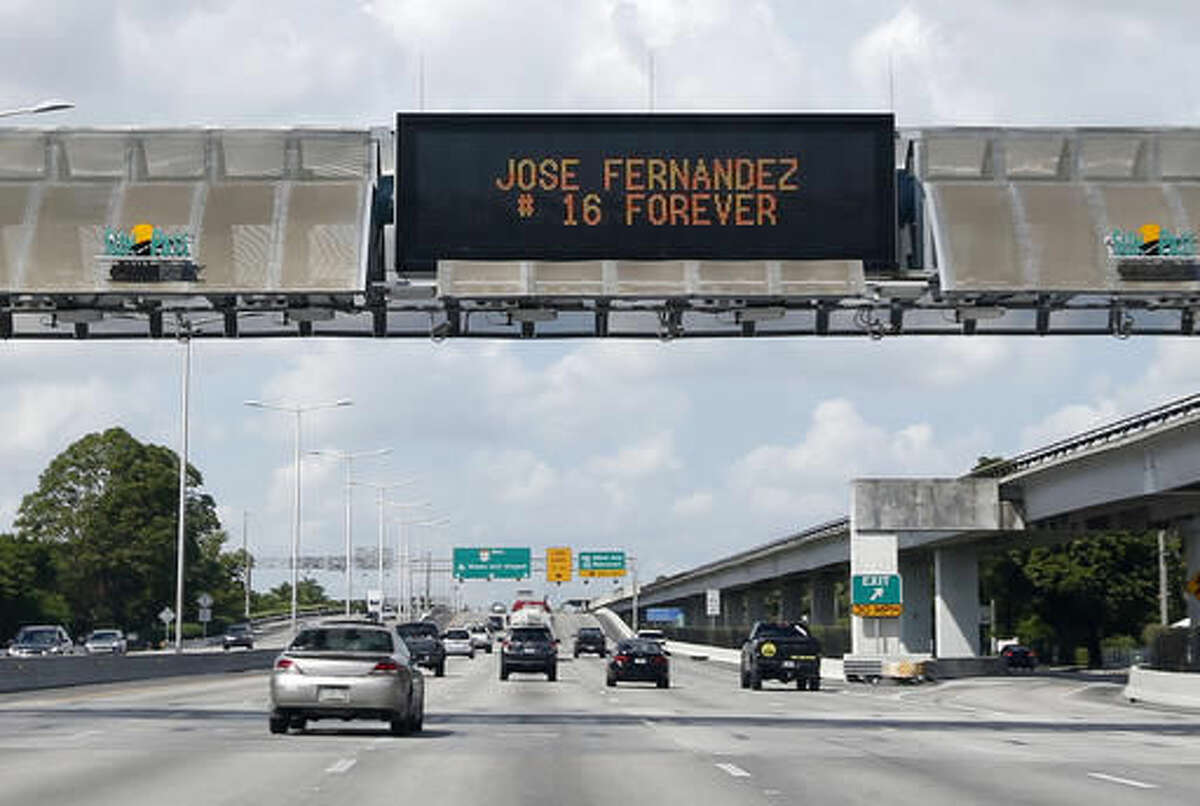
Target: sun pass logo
(147, 254)
(1151, 240)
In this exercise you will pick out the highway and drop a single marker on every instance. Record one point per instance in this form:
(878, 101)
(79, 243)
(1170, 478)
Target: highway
(204, 741)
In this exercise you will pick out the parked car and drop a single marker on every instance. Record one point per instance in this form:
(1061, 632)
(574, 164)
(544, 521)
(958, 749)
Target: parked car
(37, 640)
(654, 635)
(347, 670)
(238, 635)
(590, 639)
(639, 659)
(783, 652)
(424, 642)
(457, 641)
(1019, 657)
(105, 642)
(530, 649)
(480, 637)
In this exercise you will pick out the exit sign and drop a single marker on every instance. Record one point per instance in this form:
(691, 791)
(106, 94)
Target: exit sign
(876, 595)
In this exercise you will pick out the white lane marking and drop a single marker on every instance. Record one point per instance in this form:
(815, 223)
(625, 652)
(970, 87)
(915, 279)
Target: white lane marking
(340, 766)
(733, 769)
(83, 735)
(1126, 781)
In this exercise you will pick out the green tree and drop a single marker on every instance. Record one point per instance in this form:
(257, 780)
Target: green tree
(106, 507)
(27, 585)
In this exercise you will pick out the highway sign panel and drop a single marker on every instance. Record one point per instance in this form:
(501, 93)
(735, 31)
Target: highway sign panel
(877, 610)
(492, 563)
(567, 187)
(875, 589)
(204, 600)
(601, 563)
(205, 615)
(712, 602)
(665, 615)
(166, 615)
(558, 565)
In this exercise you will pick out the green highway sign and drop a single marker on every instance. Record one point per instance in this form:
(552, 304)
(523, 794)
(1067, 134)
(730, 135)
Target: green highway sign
(601, 563)
(491, 563)
(876, 589)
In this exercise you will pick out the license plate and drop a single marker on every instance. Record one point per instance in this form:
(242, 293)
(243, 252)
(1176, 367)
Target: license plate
(789, 664)
(529, 650)
(640, 661)
(333, 694)
(804, 657)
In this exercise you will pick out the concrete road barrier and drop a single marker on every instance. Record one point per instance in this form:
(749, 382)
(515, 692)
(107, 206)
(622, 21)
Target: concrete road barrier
(1173, 689)
(27, 674)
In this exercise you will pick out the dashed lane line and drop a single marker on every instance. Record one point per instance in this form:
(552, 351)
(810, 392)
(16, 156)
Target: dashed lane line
(1124, 781)
(341, 766)
(733, 769)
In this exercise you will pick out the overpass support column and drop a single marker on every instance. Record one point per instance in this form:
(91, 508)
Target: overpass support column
(791, 600)
(873, 553)
(824, 599)
(956, 602)
(916, 624)
(756, 605)
(1189, 532)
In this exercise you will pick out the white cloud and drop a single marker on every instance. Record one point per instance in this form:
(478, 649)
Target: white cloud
(650, 456)
(695, 505)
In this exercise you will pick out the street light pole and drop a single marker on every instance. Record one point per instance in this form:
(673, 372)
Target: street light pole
(185, 335)
(246, 559)
(298, 411)
(38, 109)
(402, 547)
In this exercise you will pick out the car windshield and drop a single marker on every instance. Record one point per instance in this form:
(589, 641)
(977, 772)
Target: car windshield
(530, 634)
(342, 639)
(238, 629)
(781, 631)
(639, 647)
(105, 635)
(37, 637)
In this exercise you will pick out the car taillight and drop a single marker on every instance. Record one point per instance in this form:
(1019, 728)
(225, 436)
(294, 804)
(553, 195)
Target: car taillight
(621, 659)
(286, 665)
(661, 660)
(386, 667)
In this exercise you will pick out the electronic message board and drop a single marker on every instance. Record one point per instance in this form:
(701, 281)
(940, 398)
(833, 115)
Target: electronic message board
(563, 187)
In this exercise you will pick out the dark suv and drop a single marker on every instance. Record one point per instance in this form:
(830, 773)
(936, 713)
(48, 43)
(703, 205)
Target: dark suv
(590, 639)
(238, 635)
(530, 649)
(424, 642)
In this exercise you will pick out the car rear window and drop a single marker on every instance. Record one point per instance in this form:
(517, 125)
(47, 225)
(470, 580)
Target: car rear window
(342, 639)
(781, 631)
(640, 647)
(530, 634)
(417, 630)
(457, 635)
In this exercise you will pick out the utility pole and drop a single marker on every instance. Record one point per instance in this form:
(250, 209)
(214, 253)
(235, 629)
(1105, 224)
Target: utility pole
(1162, 577)
(246, 560)
(428, 574)
(633, 569)
(185, 335)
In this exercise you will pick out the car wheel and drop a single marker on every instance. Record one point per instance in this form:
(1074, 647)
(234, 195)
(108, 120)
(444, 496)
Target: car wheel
(440, 670)
(488, 650)
(503, 672)
(299, 722)
(400, 725)
(801, 683)
(418, 720)
(552, 674)
(278, 722)
(576, 653)
(611, 681)
(755, 680)
(664, 683)
(745, 679)
(472, 655)
(814, 684)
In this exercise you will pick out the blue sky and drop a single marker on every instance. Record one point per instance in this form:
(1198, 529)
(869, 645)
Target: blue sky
(677, 452)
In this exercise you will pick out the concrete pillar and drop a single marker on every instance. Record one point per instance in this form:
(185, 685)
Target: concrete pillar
(1189, 533)
(916, 624)
(874, 553)
(756, 605)
(791, 600)
(956, 601)
(824, 599)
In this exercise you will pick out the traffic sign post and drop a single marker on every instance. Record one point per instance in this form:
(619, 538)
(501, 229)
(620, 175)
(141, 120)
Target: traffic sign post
(712, 602)
(601, 563)
(492, 563)
(558, 565)
(876, 595)
(166, 615)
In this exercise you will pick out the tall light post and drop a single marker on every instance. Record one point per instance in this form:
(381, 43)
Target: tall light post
(402, 547)
(348, 461)
(52, 105)
(380, 499)
(246, 559)
(298, 411)
(185, 335)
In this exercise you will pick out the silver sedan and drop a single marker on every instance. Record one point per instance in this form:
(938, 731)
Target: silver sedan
(347, 670)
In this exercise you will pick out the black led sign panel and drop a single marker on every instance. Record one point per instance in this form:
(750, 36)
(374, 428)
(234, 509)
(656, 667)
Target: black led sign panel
(558, 187)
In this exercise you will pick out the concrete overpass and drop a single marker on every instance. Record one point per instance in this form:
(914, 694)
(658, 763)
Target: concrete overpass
(1139, 472)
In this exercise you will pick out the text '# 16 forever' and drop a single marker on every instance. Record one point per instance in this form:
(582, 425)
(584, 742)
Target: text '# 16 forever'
(659, 191)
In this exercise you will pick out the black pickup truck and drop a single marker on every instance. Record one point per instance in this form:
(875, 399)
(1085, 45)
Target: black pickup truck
(783, 652)
(424, 642)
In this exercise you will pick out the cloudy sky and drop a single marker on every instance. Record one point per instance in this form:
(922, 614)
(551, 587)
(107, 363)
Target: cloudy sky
(677, 452)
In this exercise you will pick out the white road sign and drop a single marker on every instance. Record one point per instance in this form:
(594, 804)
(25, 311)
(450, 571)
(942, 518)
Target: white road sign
(166, 615)
(712, 602)
(205, 614)
(204, 600)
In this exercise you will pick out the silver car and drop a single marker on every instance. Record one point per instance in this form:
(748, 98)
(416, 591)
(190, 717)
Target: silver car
(457, 641)
(106, 642)
(347, 670)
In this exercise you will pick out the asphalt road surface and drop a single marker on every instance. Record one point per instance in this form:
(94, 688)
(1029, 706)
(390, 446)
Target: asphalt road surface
(204, 741)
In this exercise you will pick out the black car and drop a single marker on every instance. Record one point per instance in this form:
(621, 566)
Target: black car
(1019, 657)
(639, 659)
(424, 642)
(238, 635)
(529, 649)
(590, 639)
(783, 652)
